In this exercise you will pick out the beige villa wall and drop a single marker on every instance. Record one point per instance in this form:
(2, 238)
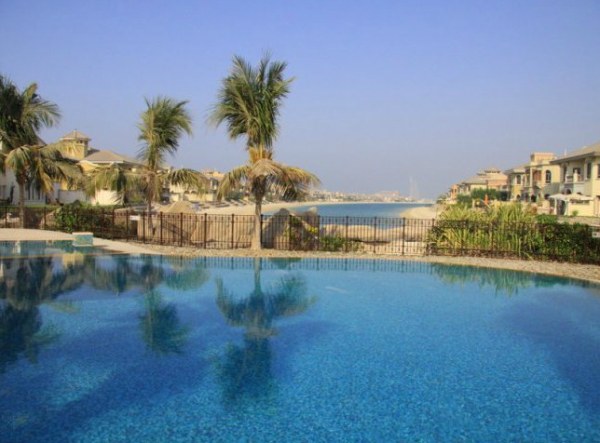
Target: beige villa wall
(105, 197)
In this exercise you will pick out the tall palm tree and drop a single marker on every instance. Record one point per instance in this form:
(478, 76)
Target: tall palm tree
(249, 103)
(162, 125)
(22, 115)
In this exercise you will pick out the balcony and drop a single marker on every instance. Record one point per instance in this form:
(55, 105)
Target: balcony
(573, 183)
(575, 178)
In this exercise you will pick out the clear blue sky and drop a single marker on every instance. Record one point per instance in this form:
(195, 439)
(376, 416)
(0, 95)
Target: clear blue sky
(384, 90)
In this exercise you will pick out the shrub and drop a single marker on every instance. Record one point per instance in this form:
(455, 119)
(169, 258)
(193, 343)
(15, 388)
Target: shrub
(512, 230)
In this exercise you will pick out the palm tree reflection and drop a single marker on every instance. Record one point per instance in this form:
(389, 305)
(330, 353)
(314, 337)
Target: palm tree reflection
(26, 283)
(504, 282)
(160, 325)
(246, 370)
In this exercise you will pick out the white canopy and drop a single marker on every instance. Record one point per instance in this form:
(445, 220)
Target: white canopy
(562, 197)
(569, 197)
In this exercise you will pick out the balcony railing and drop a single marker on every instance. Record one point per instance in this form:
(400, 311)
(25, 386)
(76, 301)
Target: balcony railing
(576, 178)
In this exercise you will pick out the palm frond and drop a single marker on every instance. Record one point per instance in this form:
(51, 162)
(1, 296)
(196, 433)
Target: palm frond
(23, 114)
(232, 180)
(18, 159)
(124, 182)
(187, 178)
(249, 101)
(162, 125)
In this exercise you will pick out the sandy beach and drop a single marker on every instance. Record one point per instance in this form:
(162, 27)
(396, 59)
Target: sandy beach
(422, 212)
(249, 208)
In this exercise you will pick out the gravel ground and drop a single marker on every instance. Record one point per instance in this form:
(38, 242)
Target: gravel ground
(571, 270)
(581, 272)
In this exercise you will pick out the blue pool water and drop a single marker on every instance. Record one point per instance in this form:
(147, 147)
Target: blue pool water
(98, 347)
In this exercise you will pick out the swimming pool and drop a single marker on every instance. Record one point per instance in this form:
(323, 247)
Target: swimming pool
(97, 347)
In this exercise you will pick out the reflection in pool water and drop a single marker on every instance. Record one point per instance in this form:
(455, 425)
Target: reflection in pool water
(98, 347)
(246, 370)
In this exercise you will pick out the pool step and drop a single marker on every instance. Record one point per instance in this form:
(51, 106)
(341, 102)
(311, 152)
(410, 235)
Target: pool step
(83, 238)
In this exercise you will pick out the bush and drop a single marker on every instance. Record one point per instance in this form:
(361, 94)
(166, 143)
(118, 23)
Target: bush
(335, 243)
(512, 230)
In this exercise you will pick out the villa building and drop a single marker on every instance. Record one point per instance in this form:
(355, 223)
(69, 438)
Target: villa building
(76, 146)
(515, 180)
(209, 194)
(579, 186)
(107, 158)
(541, 179)
(491, 178)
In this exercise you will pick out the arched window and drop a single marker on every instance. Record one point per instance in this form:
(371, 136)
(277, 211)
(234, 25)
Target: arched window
(548, 177)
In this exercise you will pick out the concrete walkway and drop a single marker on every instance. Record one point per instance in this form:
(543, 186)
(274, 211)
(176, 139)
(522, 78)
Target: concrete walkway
(10, 234)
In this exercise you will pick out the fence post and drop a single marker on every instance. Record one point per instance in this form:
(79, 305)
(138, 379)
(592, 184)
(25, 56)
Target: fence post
(113, 223)
(205, 230)
(261, 230)
(232, 229)
(127, 225)
(403, 235)
(181, 229)
(289, 232)
(44, 219)
(492, 226)
(346, 235)
(462, 237)
(374, 234)
(144, 226)
(160, 226)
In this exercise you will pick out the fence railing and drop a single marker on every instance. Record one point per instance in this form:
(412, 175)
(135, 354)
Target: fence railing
(399, 236)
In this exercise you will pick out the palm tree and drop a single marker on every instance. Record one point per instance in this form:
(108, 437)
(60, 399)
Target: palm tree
(40, 167)
(249, 102)
(162, 125)
(117, 178)
(22, 115)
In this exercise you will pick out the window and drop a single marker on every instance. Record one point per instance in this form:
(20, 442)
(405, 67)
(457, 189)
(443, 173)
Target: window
(588, 172)
(564, 173)
(576, 174)
(548, 177)
(518, 179)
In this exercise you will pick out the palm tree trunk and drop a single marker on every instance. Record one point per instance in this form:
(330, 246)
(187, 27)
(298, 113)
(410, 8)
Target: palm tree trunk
(21, 203)
(257, 269)
(256, 243)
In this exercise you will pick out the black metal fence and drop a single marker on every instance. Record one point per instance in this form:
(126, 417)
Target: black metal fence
(399, 236)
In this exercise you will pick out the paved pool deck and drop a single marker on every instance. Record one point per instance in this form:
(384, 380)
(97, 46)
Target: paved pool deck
(11, 234)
